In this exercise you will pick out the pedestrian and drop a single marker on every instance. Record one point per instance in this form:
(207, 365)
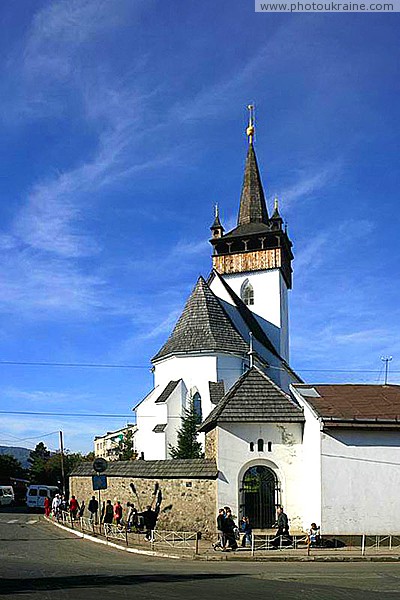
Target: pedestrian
(282, 524)
(55, 506)
(47, 506)
(228, 529)
(131, 519)
(149, 520)
(73, 507)
(314, 534)
(245, 529)
(82, 509)
(93, 508)
(117, 512)
(221, 540)
(109, 512)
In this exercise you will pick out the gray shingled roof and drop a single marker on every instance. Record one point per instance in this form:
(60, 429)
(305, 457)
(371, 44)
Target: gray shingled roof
(160, 428)
(198, 468)
(253, 208)
(167, 391)
(203, 326)
(217, 391)
(254, 398)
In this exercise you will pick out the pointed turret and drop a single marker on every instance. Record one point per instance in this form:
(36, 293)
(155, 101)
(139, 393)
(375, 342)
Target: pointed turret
(253, 208)
(276, 219)
(216, 227)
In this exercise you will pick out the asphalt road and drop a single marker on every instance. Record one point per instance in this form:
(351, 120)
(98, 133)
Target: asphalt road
(38, 560)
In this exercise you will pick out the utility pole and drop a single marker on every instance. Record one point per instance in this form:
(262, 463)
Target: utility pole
(386, 360)
(62, 463)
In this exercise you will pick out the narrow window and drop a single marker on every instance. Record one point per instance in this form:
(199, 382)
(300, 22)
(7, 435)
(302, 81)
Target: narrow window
(247, 293)
(197, 407)
(260, 445)
(269, 446)
(251, 446)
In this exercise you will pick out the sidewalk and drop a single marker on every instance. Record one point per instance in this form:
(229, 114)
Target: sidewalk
(203, 550)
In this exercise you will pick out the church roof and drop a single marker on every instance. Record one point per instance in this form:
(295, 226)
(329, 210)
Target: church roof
(203, 326)
(195, 468)
(254, 398)
(361, 404)
(253, 208)
(217, 391)
(167, 391)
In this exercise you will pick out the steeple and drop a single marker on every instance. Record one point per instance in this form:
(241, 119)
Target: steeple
(253, 208)
(276, 219)
(216, 227)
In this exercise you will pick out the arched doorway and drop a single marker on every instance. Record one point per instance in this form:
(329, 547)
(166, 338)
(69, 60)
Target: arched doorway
(260, 496)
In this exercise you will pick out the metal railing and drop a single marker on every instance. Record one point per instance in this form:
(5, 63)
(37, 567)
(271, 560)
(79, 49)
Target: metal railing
(115, 532)
(282, 542)
(177, 539)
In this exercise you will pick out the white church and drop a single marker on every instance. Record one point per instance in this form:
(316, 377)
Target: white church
(327, 453)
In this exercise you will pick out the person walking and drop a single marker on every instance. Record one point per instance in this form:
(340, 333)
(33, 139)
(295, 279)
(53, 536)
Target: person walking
(93, 508)
(131, 519)
(108, 513)
(246, 530)
(47, 506)
(283, 527)
(149, 520)
(73, 507)
(55, 506)
(228, 529)
(117, 512)
(220, 520)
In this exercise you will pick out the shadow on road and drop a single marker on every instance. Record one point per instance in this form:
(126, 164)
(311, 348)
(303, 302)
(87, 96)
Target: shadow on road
(37, 584)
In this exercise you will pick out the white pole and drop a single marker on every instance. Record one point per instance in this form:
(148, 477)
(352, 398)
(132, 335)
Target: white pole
(363, 545)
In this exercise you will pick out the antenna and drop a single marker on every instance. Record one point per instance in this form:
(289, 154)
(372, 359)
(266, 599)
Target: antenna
(251, 351)
(386, 360)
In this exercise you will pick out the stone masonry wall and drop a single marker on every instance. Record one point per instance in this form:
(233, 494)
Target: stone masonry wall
(211, 444)
(187, 504)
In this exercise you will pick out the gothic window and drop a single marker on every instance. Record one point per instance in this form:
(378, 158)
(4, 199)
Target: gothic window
(260, 445)
(247, 293)
(197, 407)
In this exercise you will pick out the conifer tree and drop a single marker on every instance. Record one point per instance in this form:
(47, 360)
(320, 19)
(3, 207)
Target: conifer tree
(188, 446)
(125, 447)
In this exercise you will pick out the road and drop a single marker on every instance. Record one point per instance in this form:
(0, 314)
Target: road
(38, 560)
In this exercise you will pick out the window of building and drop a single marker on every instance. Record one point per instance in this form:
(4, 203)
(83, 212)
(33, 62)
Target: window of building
(197, 407)
(269, 446)
(251, 446)
(247, 293)
(260, 445)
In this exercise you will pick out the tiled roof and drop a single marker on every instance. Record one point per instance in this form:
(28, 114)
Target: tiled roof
(254, 398)
(203, 326)
(167, 391)
(160, 428)
(353, 402)
(217, 391)
(253, 208)
(199, 468)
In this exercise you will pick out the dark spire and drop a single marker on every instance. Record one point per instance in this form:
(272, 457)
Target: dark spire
(253, 208)
(216, 227)
(276, 218)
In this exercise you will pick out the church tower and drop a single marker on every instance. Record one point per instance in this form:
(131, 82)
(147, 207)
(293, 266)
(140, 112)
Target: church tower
(255, 257)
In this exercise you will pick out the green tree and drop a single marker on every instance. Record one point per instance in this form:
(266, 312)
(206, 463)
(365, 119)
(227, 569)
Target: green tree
(188, 446)
(37, 461)
(125, 447)
(10, 467)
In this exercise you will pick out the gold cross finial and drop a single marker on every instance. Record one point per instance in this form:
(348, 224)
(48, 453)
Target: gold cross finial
(250, 128)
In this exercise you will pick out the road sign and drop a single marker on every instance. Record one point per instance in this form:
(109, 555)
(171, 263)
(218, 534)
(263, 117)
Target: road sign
(100, 465)
(99, 482)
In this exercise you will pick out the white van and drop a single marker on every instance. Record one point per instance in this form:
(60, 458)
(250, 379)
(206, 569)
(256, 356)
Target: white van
(6, 495)
(36, 494)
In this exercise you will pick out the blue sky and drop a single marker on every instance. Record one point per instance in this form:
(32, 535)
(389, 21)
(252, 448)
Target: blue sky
(121, 124)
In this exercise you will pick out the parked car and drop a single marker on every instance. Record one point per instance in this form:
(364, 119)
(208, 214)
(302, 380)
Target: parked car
(6, 495)
(36, 494)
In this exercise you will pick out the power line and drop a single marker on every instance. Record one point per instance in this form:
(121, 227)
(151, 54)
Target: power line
(118, 366)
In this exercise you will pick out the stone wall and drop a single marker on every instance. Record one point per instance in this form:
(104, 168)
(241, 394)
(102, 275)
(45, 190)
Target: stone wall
(187, 504)
(211, 444)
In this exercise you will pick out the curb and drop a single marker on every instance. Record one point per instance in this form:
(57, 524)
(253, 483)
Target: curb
(96, 540)
(226, 556)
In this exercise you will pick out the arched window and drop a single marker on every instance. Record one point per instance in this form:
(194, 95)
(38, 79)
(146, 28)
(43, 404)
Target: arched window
(260, 445)
(269, 446)
(251, 446)
(197, 407)
(247, 293)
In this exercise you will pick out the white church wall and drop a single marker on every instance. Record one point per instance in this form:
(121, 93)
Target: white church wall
(311, 469)
(360, 482)
(229, 369)
(175, 404)
(148, 415)
(270, 303)
(285, 458)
